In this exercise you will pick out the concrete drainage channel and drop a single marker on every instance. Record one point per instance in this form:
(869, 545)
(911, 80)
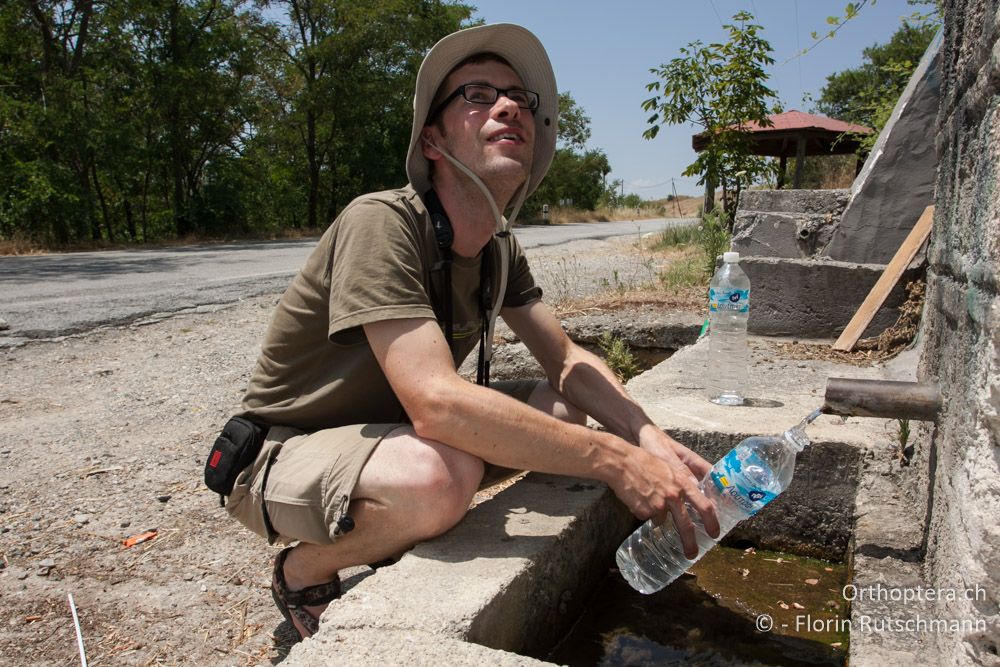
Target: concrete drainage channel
(510, 580)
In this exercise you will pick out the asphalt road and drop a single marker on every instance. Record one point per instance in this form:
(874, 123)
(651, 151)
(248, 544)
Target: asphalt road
(48, 296)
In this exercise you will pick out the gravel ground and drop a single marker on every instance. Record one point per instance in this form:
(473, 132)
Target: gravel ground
(104, 437)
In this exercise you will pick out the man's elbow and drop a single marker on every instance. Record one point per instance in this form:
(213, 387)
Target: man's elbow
(431, 411)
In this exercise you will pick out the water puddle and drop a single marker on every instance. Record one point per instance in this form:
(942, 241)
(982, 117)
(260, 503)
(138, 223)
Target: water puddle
(716, 615)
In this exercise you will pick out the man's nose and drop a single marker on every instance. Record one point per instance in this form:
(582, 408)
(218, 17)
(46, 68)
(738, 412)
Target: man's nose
(505, 107)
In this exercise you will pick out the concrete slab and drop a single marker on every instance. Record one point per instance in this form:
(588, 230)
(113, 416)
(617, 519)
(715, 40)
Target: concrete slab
(512, 576)
(382, 647)
(787, 223)
(811, 298)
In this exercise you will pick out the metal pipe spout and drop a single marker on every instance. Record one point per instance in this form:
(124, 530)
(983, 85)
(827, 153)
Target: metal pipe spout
(888, 399)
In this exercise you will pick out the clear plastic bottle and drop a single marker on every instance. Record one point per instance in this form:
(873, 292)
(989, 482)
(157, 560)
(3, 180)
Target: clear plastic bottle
(742, 482)
(729, 309)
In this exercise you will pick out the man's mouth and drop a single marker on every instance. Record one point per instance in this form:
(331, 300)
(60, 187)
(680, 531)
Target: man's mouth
(506, 136)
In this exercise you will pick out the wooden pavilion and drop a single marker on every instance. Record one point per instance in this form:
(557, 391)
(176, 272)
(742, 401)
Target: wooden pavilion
(797, 134)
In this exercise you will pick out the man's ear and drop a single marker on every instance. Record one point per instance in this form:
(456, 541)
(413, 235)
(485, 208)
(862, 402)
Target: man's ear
(427, 141)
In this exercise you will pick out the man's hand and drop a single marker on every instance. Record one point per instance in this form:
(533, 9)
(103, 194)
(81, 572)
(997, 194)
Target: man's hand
(662, 475)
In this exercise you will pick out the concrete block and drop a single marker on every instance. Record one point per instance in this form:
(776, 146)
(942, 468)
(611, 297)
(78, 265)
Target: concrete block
(814, 516)
(891, 506)
(512, 575)
(643, 329)
(792, 235)
(897, 180)
(368, 647)
(816, 299)
(795, 201)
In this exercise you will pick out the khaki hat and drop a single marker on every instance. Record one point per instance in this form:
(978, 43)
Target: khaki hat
(526, 55)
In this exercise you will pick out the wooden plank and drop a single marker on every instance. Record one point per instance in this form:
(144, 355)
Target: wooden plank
(864, 315)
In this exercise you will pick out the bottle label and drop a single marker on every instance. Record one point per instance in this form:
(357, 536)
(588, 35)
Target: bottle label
(727, 475)
(736, 300)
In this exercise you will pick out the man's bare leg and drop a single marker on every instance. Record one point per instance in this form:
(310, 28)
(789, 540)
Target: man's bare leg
(409, 491)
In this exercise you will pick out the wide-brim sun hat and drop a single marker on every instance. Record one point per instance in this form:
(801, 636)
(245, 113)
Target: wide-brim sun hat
(527, 57)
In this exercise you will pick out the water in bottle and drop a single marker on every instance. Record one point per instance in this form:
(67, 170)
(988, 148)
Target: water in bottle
(729, 309)
(742, 482)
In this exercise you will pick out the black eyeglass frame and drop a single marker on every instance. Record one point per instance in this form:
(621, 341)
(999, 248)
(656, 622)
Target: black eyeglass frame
(533, 97)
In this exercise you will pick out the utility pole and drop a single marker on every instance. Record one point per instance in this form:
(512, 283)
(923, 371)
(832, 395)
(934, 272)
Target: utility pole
(676, 203)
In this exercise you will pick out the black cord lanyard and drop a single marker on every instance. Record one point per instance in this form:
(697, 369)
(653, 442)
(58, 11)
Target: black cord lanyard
(445, 236)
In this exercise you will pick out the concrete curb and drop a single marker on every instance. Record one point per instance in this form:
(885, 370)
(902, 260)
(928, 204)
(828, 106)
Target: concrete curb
(512, 576)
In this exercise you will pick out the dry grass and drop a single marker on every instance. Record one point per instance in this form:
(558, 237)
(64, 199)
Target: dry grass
(20, 245)
(693, 299)
(683, 207)
(867, 351)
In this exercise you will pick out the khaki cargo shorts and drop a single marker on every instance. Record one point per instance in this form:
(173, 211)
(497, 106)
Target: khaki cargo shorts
(312, 476)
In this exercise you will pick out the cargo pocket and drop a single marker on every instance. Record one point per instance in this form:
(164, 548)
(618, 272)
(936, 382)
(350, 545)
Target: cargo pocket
(245, 502)
(311, 482)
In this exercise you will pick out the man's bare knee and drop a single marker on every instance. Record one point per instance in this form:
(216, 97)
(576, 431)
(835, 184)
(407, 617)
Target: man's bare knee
(437, 481)
(548, 400)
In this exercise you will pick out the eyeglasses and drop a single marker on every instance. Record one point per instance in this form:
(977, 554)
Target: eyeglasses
(482, 93)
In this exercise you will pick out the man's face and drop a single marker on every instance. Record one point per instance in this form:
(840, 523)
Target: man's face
(495, 141)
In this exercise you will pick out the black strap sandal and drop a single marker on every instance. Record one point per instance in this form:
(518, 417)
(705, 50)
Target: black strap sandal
(292, 604)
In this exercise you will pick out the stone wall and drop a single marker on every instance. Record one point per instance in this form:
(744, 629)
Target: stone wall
(961, 329)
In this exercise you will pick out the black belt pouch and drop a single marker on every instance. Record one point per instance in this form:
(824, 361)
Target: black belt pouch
(235, 449)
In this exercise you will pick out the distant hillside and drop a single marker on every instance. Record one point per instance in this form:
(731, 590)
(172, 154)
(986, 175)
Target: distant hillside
(689, 206)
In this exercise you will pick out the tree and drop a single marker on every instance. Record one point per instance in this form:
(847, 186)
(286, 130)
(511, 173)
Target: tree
(142, 119)
(867, 94)
(577, 174)
(353, 64)
(719, 87)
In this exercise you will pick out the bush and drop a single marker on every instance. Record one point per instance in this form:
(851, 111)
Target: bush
(714, 237)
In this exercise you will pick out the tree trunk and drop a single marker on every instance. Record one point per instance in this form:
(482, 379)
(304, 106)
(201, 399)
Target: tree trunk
(108, 225)
(314, 169)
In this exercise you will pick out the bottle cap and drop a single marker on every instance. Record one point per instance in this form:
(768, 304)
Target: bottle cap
(730, 257)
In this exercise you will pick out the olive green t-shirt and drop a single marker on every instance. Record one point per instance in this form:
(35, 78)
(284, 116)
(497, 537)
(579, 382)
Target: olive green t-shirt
(379, 260)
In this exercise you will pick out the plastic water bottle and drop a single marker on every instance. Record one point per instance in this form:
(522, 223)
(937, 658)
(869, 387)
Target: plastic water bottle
(729, 309)
(742, 482)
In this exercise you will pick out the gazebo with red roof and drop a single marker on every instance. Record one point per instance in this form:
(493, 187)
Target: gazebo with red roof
(797, 134)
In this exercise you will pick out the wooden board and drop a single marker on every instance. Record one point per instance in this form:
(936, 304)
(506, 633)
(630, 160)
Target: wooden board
(864, 315)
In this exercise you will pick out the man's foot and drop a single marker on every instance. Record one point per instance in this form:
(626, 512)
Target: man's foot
(301, 608)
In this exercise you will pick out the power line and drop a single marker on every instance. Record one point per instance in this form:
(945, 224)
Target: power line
(712, 3)
(798, 49)
(667, 182)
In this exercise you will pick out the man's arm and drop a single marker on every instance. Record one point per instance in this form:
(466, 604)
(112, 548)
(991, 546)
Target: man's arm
(445, 408)
(587, 382)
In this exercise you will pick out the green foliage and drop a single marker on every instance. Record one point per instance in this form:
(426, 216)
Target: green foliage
(713, 238)
(618, 356)
(577, 174)
(673, 237)
(574, 124)
(146, 119)
(867, 94)
(688, 271)
(718, 87)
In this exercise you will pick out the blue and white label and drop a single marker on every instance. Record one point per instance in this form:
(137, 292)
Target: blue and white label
(736, 300)
(728, 477)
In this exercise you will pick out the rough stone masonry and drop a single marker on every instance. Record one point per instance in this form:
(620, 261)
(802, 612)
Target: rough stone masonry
(961, 326)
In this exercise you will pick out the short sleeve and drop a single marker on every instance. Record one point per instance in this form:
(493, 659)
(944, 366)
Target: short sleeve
(521, 287)
(376, 269)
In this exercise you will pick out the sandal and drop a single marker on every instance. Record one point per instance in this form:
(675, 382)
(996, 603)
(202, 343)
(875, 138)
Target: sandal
(292, 604)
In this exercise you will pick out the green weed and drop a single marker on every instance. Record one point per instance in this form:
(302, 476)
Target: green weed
(618, 356)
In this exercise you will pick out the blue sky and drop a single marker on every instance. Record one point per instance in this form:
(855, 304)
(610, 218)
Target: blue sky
(602, 51)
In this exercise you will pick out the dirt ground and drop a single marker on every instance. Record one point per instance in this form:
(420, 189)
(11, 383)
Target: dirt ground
(103, 437)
